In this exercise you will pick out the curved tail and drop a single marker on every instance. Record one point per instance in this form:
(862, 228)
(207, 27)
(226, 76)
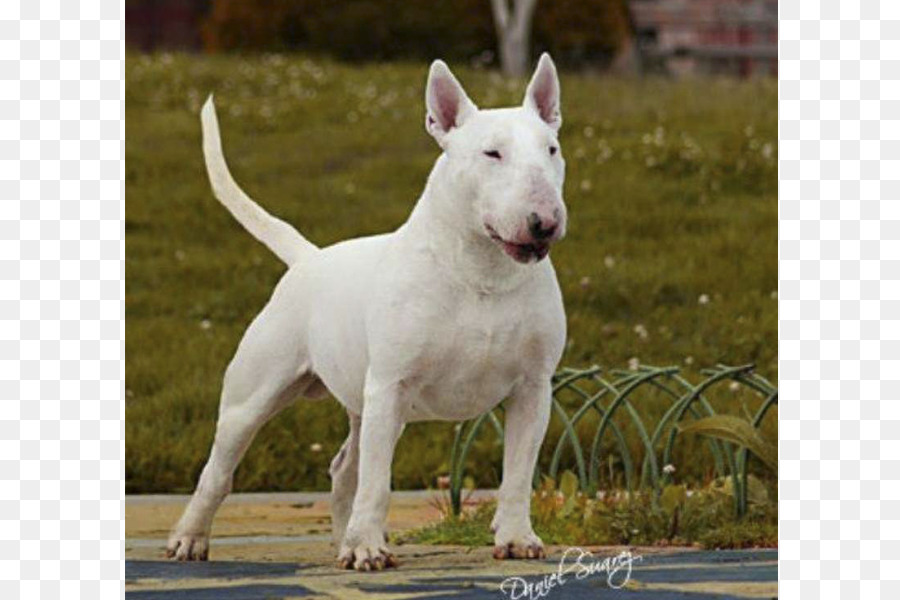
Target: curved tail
(282, 239)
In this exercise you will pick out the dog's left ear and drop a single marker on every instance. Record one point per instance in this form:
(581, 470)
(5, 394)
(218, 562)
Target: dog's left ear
(446, 102)
(542, 95)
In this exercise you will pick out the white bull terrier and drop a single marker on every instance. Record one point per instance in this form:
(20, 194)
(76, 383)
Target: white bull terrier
(443, 319)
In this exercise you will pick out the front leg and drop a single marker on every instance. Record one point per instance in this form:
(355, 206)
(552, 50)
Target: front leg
(527, 415)
(365, 544)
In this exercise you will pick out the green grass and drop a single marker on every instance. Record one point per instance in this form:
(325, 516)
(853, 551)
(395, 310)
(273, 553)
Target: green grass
(671, 191)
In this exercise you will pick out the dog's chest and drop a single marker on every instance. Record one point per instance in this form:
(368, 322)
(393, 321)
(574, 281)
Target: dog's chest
(473, 357)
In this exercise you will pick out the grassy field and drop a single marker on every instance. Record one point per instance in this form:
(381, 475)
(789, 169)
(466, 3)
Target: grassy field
(670, 257)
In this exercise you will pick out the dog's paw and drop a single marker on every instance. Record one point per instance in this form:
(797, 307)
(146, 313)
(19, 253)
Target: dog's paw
(528, 546)
(365, 551)
(367, 558)
(188, 547)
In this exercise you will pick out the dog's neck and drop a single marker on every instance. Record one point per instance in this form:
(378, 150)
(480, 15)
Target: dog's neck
(464, 251)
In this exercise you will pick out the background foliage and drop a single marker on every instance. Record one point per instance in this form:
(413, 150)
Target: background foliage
(680, 517)
(670, 257)
(575, 31)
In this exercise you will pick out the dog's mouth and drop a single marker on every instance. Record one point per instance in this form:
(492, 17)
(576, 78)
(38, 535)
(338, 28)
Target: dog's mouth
(523, 253)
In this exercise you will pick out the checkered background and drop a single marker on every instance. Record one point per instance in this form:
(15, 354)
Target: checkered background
(839, 311)
(62, 291)
(61, 299)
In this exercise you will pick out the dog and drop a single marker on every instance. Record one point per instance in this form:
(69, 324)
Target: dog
(455, 311)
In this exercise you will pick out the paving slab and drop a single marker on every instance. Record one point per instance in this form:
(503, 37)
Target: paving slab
(166, 569)
(238, 592)
(270, 546)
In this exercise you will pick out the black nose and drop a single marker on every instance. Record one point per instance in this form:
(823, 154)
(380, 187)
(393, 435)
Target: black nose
(537, 229)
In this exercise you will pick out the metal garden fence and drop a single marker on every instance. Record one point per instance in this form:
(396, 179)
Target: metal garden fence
(607, 397)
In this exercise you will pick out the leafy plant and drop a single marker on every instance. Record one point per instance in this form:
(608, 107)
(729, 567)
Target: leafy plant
(741, 535)
(738, 431)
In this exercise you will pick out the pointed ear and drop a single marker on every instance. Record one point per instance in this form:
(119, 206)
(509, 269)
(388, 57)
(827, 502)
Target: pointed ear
(446, 102)
(542, 95)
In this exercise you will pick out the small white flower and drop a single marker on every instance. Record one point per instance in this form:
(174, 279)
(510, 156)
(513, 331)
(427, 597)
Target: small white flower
(669, 469)
(688, 360)
(641, 331)
(703, 299)
(633, 363)
(205, 324)
(609, 261)
(317, 447)
(734, 386)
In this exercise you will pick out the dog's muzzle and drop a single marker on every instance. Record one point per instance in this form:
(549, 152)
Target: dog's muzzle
(532, 251)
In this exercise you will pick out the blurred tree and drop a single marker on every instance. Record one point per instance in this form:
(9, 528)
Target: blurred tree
(628, 60)
(581, 32)
(252, 25)
(576, 32)
(386, 29)
(352, 29)
(513, 24)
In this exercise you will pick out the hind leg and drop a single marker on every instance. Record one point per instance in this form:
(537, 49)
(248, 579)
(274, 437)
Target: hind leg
(344, 477)
(267, 374)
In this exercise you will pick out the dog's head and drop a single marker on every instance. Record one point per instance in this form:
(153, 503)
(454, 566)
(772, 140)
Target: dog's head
(507, 161)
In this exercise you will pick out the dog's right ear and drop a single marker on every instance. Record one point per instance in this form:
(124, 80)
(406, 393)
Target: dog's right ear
(446, 102)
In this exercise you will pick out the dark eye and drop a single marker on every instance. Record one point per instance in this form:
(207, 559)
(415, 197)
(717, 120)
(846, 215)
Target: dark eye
(493, 154)
(553, 150)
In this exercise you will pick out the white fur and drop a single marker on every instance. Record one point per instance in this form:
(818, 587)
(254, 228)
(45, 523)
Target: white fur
(433, 321)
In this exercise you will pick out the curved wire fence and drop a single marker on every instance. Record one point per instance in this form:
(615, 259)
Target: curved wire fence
(580, 393)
